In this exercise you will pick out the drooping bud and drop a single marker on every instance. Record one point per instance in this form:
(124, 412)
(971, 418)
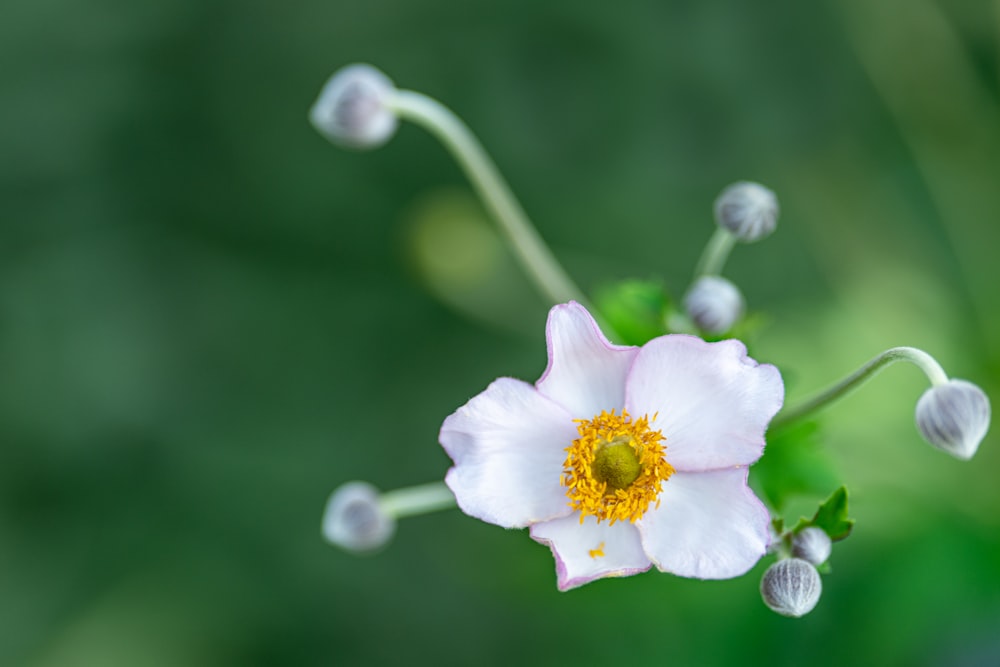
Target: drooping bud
(812, 544)
(748, 210)
(714, 304)
(954, 417)
(354, 519)
(351, 109)
(791, 587)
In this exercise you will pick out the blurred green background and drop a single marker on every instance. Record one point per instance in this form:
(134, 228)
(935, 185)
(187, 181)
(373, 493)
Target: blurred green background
(210, 317)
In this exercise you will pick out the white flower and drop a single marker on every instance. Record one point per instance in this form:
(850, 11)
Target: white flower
(622, 458)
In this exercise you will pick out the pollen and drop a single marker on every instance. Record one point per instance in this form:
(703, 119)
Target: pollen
(597, 552)
(616, 469)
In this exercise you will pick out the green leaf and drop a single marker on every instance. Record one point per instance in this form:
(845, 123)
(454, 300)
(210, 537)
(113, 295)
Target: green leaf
(794, 464)
(831, 516)
(636, 309)
(746, 329)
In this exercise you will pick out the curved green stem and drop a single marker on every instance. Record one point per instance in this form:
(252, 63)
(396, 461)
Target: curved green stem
(415, 500)
(925, 362)
(536, 258)
(715, 254)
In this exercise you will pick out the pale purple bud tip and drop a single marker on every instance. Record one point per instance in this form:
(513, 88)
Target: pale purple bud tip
(714, 304)
(352, 110)
(355, 521)
(812, 544)
(954, 417)
(791, 587)
(748, 210)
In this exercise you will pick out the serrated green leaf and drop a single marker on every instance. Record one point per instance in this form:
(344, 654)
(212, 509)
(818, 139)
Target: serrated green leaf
(794, 464)
(831, 516)
(636, 309)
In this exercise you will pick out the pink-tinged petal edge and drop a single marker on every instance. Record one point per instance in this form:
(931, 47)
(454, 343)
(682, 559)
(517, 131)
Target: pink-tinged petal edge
(585, 372)
(709, 525)
(713, 402)
(508, 444)
(572, 543)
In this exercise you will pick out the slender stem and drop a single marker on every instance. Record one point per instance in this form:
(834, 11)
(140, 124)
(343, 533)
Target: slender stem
(715, 254)
(414, 500)
(925, 362)
(539, 262)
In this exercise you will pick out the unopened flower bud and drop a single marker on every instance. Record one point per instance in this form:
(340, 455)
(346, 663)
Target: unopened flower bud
(791, 587)
(954, 417)
(351, 109)
(714, 304)
(354, 520)
(812, 544)
(748, 210)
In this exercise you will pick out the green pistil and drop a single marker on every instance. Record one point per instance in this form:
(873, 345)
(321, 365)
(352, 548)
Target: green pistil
(617, 465)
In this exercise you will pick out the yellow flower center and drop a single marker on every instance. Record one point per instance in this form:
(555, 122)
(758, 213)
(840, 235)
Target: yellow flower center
(616, 468)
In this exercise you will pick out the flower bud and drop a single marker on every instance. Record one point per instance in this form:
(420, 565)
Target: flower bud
(791, 587)
(954, 417)
(714, 304)
(748, 210)
(812, 544)
(351, 109)
(354, 519)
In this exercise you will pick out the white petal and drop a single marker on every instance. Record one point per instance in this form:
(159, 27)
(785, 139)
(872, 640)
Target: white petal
(709, 525)
(508, 444)
(586, 373)
(714, 402)
(592, 550)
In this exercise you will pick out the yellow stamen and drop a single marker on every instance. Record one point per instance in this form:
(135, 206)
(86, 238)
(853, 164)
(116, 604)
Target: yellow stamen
(598, 552)
(615, 469)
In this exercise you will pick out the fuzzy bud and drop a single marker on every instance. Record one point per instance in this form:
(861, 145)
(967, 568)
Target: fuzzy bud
(791, 587)
(812, 544)
(354, 519)
(714, 304)
(954, 417)
(351, 109)
(748, 210)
